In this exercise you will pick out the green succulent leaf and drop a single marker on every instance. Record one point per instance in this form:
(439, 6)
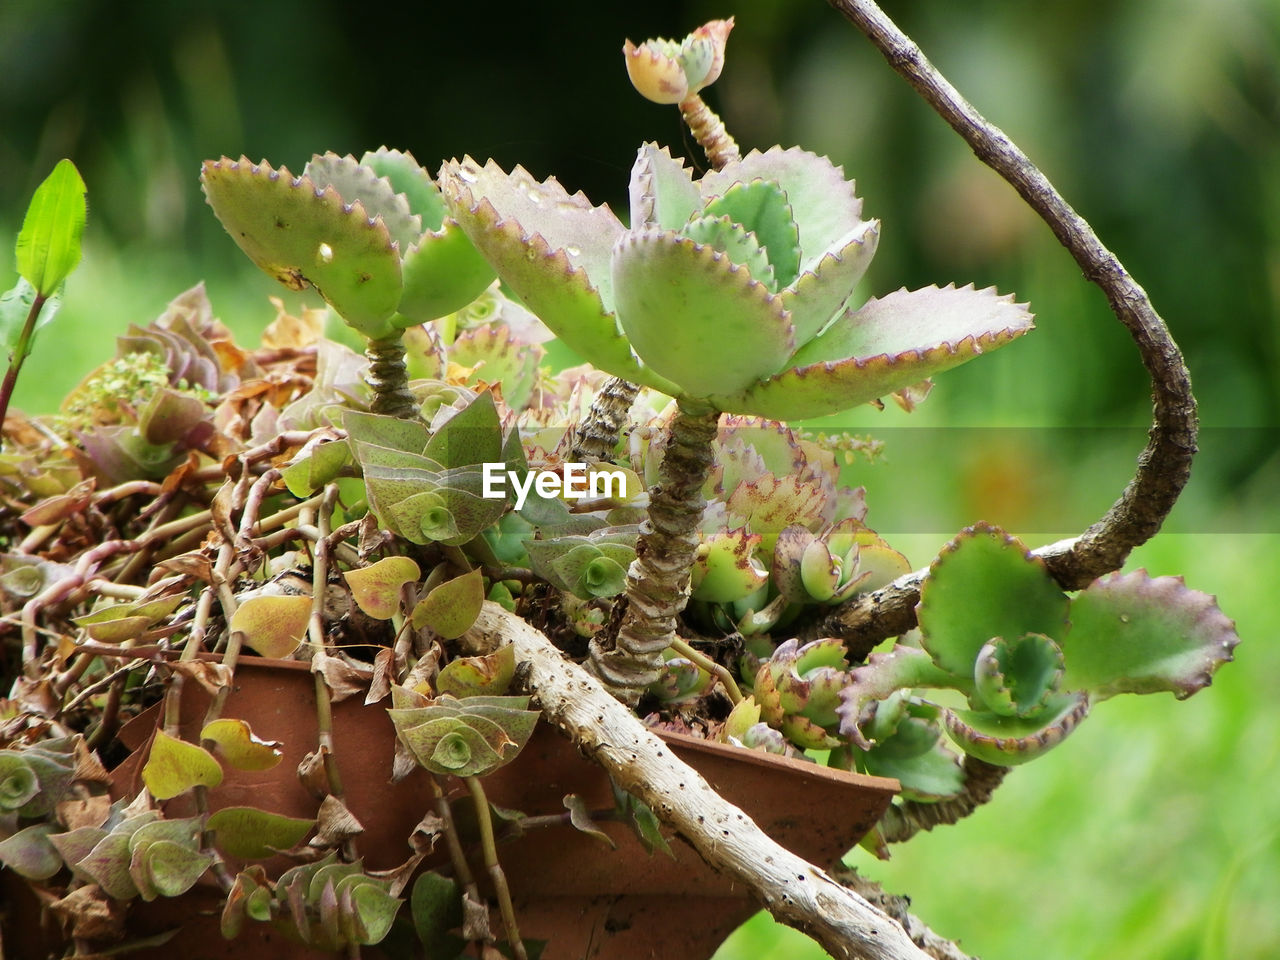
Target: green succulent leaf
(554, 251)
(822, 202)
(984, 584)
(735, 242)
(725, 568)
(471, 737)
(49, 243)
(248, 833)
(382, 431)
(452, 607)
(77, 844)
(662, 191)
(762, 209)
(408, 177)
(443, 272)
(322, 463)
(30, 854)
(471, 436)
(175, 766)
(915, 756)
(163, 868)
(887, 344)
(684, 305)
(15, 306)
(376, 588)
(301, 235)
(489, 674)
(436, 908)
(1016, 678)
(1007, 741)
(1132, 633)
(902, 668)
(356, 182)
(18, 782)
(823, 290)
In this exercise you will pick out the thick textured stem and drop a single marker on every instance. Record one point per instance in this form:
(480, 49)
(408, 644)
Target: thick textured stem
(658, 581)
(795, 891)
(1164, 465)
(389, 378)
(903, 821)
(708, 129)
(935, 946)
(596, 437)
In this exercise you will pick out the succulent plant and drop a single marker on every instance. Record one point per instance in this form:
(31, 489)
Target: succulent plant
(753, 265)
(371, 235)
(1031, 660)
(798, 690)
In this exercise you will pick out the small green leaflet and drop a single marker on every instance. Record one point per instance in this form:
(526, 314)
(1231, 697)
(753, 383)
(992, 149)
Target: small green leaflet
(49, 243)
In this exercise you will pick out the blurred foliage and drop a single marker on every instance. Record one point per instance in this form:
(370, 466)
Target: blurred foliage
(1158, 119)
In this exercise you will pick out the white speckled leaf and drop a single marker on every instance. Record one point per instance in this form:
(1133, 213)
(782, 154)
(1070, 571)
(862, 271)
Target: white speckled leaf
(694, 316)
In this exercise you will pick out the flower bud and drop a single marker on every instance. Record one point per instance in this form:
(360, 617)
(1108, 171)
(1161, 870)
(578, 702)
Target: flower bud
(665, 71)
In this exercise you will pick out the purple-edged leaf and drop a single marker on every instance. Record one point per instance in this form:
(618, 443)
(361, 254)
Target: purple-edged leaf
(108, 865)
(77, 844)
(986, 584)
(1132, 633)
(170, 869)
(916, 322)
(761, 208)
(354, 181)
(30, 854)
(408, 177)
(788, 555)
(695, 317)
(822, 201)
(1007, 741)
(901, 668)
(301, 235)
(735, 242)
(1016, 678)
(886, 345)
(18, 782)
(553, 250)
(823, 290)
(662, 191)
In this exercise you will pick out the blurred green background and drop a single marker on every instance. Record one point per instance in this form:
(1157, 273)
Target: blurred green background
(1152, 833)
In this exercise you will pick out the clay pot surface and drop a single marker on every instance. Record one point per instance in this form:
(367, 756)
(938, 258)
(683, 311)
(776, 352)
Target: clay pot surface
(589, 902)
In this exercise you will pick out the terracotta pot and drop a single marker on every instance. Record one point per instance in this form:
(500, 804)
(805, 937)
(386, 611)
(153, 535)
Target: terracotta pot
(569, 889)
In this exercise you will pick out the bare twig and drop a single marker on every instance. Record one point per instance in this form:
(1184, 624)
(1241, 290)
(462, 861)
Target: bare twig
(1164, 465)
(794, 891)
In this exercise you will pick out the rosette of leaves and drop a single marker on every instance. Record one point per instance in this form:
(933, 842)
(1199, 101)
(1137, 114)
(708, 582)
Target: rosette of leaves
(1030, 659)
(373, 236)
(588, 565)
(732, 292)
(428, 484)
(34, 779)
(137, 856)
(471, 737)
(798, 691)
(138, 415)
(327, 905)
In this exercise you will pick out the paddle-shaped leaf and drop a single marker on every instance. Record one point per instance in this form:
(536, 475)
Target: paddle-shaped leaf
(175, 766)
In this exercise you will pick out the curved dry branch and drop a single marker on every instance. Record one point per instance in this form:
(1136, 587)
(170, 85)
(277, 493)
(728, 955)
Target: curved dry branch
(794, 891)
(1164, 465)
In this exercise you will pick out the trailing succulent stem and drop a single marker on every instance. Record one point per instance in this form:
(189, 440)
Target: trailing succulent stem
(658, 581)
(904, 820)
(388, 377)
